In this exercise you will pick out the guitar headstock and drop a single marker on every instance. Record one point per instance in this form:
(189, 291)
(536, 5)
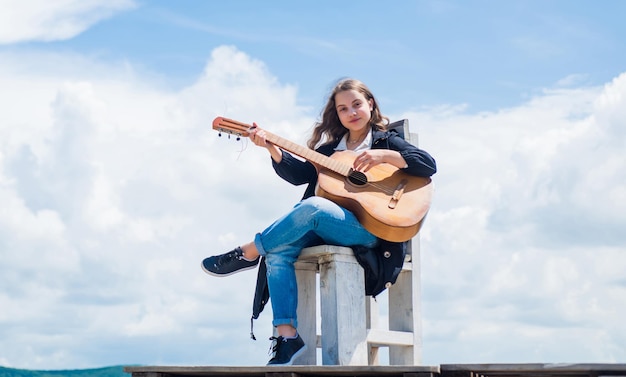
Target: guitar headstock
(231, 126)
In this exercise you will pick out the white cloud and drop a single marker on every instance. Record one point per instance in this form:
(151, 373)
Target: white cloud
(529, 209)
(49, 20)
(117, 192)
(114, 189)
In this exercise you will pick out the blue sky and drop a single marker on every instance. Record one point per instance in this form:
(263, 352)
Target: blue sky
(484, 53)
(114, 187)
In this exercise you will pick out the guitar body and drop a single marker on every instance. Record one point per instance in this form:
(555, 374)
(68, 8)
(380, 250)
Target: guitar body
(372, 201)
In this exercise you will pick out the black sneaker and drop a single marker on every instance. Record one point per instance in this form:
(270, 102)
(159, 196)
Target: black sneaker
(227, 264)
(284, 351)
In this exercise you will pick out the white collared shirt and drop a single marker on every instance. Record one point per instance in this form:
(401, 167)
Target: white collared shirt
(365, 144)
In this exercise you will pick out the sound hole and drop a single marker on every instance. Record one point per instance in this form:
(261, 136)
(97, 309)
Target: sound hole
(357, 178)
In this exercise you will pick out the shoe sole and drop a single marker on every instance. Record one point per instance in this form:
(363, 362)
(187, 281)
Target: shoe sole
(293, 358)
(228, 274)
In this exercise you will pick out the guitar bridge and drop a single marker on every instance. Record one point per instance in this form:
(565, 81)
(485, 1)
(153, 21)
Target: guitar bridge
(397, 194)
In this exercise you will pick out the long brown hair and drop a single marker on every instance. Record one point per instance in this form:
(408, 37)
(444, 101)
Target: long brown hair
(330, 129)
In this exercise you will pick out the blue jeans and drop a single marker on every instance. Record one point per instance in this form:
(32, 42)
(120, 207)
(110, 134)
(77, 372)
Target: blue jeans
(311, 222)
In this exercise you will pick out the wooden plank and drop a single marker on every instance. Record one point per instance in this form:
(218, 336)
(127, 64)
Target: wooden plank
(306, 272)
(282, 374)
(444, 370)
(342, 304)
(382, 338)
(534, 370)
(404, 312)
(308, 370)
(318, 251)
(372, 313)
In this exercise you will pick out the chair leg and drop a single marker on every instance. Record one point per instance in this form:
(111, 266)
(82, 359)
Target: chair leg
(404, 298)
(342, 300)
(306, 273)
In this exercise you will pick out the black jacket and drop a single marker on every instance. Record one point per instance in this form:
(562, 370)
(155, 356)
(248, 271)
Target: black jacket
(382, 264)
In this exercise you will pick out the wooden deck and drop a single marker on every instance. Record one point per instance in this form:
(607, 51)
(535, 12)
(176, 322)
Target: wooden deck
(284, 371)
(532, 370)
(444, 370)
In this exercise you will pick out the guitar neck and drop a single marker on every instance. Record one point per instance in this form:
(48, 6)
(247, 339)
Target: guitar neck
(242, 129)
(309, 154)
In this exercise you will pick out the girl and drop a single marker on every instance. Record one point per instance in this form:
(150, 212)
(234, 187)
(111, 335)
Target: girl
(351, 120)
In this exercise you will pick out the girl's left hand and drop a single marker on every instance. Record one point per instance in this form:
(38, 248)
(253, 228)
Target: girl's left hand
(257, 136)
(368, 159)
(372, 157)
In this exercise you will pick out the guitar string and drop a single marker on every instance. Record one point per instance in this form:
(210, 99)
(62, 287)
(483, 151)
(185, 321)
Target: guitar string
(378, 186)
(338, 166)
(244, 146)
(381, 187)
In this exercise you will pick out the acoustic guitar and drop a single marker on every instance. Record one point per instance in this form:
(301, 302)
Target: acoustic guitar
(388, 202)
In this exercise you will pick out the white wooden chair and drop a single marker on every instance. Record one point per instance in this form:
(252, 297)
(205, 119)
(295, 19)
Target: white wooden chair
(350, 332)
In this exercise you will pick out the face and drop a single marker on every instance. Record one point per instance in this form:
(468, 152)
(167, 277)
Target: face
(353, 109)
